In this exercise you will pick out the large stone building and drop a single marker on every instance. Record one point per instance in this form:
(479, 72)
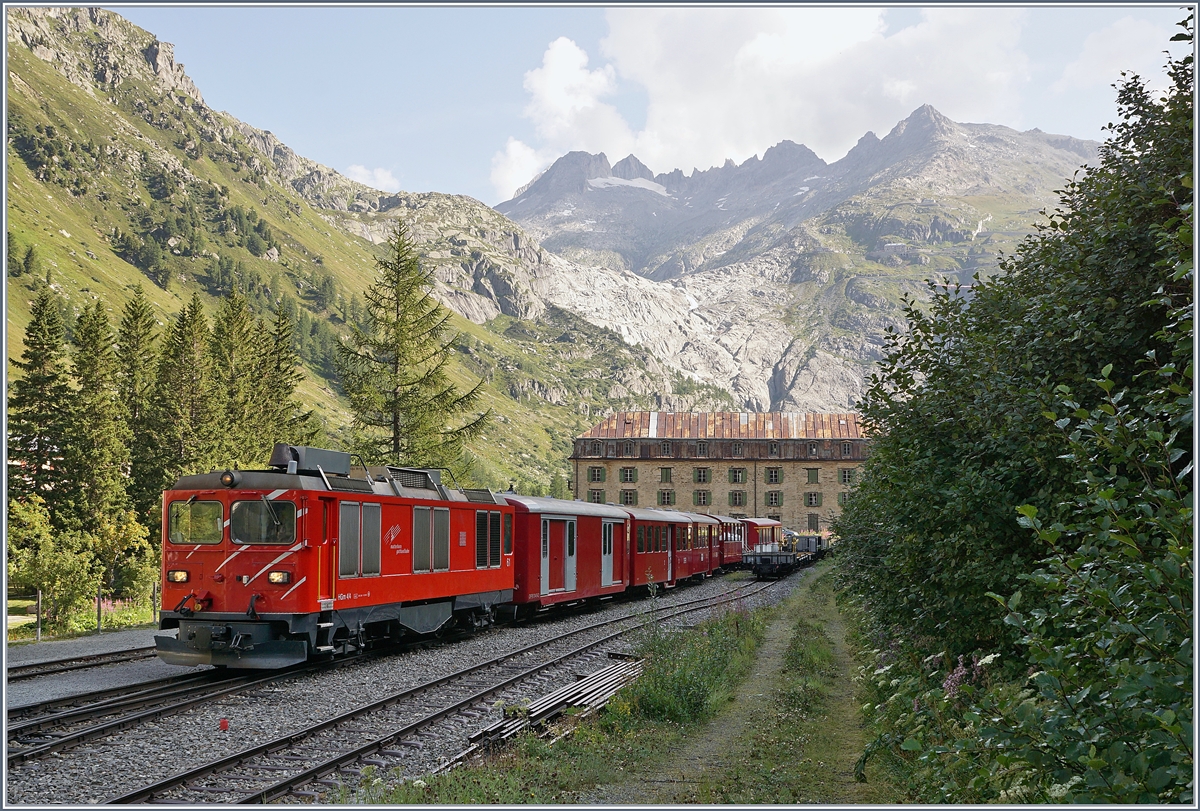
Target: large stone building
(795, 467)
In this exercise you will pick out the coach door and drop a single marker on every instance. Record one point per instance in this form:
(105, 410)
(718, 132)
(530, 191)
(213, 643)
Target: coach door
(670, 552)
(569, 561)
(606, 554)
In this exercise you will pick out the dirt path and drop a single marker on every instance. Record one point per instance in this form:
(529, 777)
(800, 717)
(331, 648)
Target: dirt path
(713, 755)
(709, 754)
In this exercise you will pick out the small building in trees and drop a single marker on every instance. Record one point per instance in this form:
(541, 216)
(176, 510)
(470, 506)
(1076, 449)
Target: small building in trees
(798, 468)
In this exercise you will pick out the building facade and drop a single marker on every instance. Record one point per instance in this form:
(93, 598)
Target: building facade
(798, 468)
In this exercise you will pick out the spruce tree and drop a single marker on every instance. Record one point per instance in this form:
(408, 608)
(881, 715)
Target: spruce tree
(394, 369)
(36, 420)
(186, 421)
(136, 362)
(237, 349)
(284, 417)
(96, 448)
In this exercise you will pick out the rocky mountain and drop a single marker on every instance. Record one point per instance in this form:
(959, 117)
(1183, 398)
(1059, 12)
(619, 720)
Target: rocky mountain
(120, 174)
(778, 277)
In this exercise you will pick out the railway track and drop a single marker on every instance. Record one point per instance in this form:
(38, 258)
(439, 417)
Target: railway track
(32, 671)
(394, 729)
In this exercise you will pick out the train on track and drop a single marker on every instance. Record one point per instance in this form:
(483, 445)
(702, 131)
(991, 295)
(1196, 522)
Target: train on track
(314, 556)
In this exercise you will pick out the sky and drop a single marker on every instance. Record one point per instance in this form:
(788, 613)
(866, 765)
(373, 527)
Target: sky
(478, 100)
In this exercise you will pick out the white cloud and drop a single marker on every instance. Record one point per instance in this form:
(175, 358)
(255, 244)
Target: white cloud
(731, 82)
(381, 179)
(1126, 45)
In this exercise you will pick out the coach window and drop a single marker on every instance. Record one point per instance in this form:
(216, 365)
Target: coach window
(263, 521)
(641, 536)
(195, 522)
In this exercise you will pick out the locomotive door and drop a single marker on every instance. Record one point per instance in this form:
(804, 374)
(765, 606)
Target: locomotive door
(606, 554)
(325, 553)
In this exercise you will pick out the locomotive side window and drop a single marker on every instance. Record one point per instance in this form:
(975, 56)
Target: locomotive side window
(348, 540)
(441, 539)
(197, 522)
(420, 539)
(263, 521)
(371, 532)
(494, 541)
(487, 539)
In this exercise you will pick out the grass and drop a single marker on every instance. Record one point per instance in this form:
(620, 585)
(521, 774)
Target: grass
(117, 615)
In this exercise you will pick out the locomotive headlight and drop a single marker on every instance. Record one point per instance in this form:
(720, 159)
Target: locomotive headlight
(231, 478)
(177, 576)
(279, 578)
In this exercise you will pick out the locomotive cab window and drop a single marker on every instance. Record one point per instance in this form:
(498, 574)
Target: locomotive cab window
(263, 522)
(194, 522)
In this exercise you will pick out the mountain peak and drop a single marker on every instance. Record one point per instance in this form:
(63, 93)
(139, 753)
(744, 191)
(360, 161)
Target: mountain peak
(630, 168)
(923, 122)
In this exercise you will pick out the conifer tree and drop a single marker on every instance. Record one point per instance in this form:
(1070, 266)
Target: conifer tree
(136, 362)
(184, 415)
(285, 419)
(96, 447)
(237, 350)
(35, 406)
(394, 370)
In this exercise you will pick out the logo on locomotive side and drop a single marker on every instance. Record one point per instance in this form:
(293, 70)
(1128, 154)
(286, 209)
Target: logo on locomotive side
(392, 538)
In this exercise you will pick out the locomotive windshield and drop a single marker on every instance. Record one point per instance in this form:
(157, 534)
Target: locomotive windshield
(263, 521)
(194, 521)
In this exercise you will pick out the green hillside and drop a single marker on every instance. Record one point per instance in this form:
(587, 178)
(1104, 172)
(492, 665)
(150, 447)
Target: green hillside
(120, 183)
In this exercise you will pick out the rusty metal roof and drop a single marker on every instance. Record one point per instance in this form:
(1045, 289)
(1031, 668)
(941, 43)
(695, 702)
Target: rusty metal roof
(726, 425)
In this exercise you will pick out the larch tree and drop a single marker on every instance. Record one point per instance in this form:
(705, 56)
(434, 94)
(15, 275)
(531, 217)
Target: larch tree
(36, 419)
(395, 369)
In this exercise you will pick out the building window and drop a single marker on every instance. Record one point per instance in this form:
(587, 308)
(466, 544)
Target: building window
(664, 475)
(629, 449)
(774, 498)
(665, 449)
(596, 496)
(628, 475)
(812, 449)
(737, 498)
(847, 449)
(702, 449)
(666, 498)
(814, 522)
(595, 474)
(843, 498)
(702, 498)
(814, 474)
(773, 449)
(812, 499)
(737, 475)
(774, 475)
(737, 449)
(701, 475)
(847, 475)
(595, 449)
(629, 497)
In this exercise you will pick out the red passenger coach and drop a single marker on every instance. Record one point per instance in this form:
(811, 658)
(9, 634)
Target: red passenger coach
(762, 532)
(567, 550)
(693, 553)
(653, 534)
(732, 541)
(265, 568)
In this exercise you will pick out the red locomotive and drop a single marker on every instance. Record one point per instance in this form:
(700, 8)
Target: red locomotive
(266, 568)
(263, 568)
